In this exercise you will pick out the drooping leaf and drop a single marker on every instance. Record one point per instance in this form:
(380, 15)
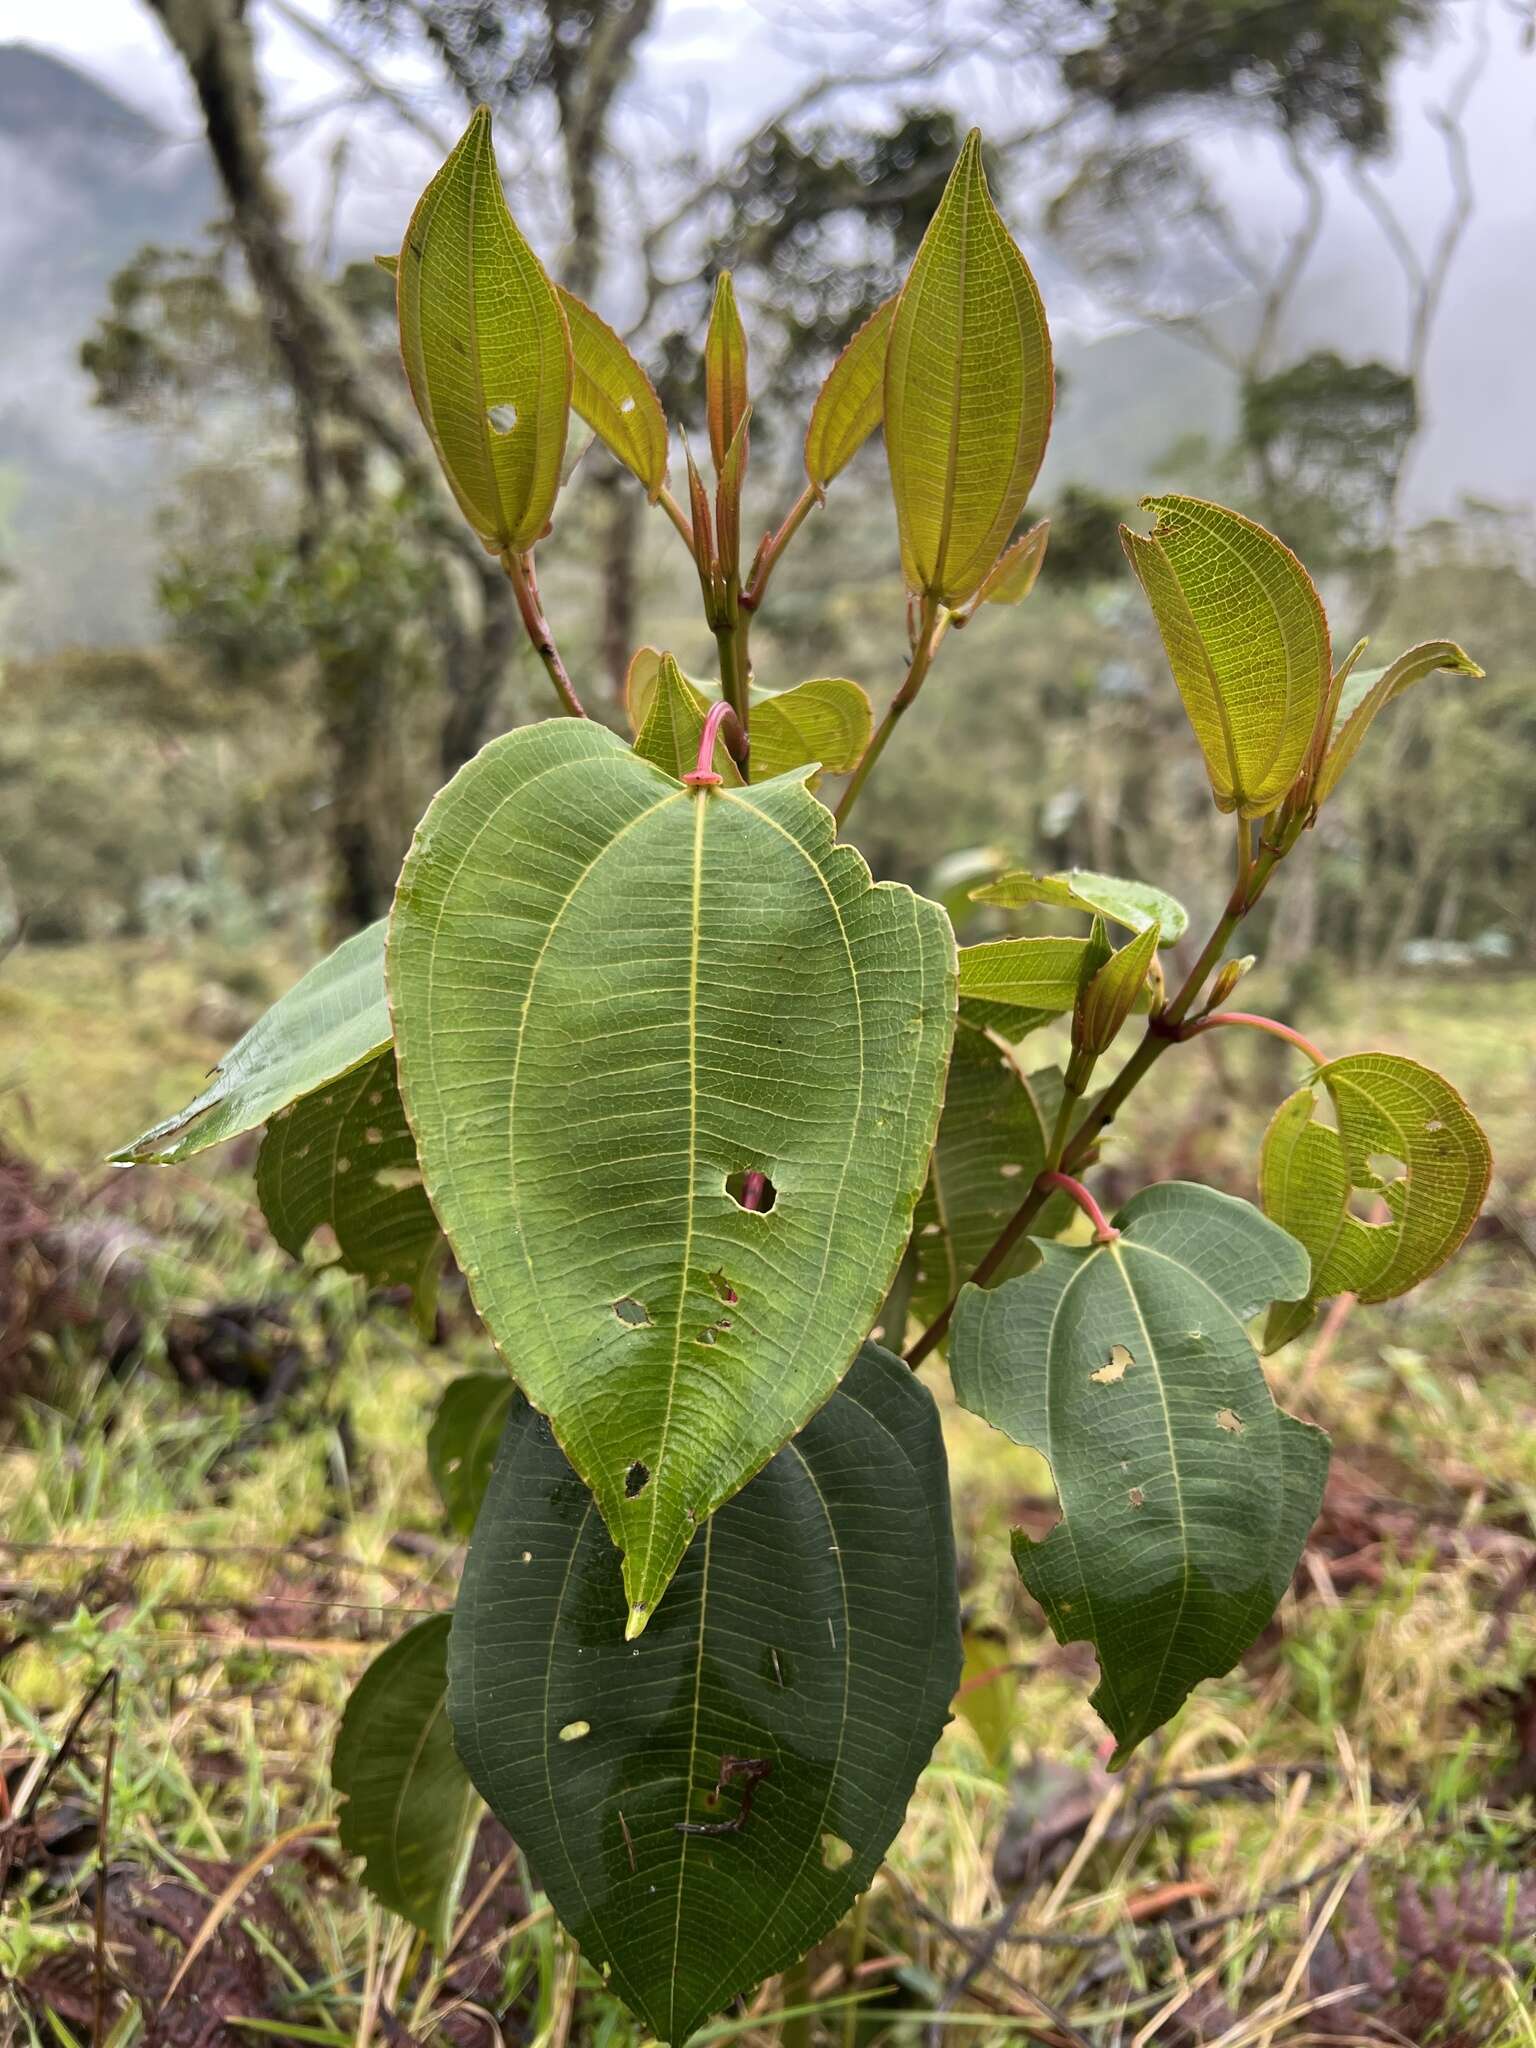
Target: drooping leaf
(329, 1022)
(344, 1157)
(1132, 904)
(826, 721)
(614, 396)
(725, 371)
(461, 1444)
(1117, 986)
(409, 1808)
(1023, 982)
(1017, 571)
(811, 1635)
(614, 1000)
(1185, 1492)
(486, 347)
(991, 1147)
(969, 389)
(1365, 694)
(1246, 639)
(1403, 1139)
(850, 404)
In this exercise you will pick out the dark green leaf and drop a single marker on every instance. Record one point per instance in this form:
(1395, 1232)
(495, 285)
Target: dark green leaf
(328, 1023)
(461, 1444)
(409, 1807)
(614, 999)
(1185, 1493)
(812, 1628)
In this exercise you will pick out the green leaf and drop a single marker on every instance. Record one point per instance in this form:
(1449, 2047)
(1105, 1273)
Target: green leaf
(1366, 694)
(344, 1157)
(813, 1628)
(990, 1148)
(1186, 1494)
(1132, 904)
(1246, 639)
(725, 371)
(1024, 982)
(825, 723)
(988, 1684)
(409, 1809)
(614, 396)
(487, 351)
(461, 1444)
(850, 404)
(1018, 570)
(1403, 1138)
(968, 391)
(614, 998)
(1116, 988)
(328, 1023)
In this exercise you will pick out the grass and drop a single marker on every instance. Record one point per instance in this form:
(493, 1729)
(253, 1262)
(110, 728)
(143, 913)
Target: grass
(237, 1571)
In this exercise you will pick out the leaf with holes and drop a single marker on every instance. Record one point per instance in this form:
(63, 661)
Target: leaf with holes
(327, 1024)
(1246, 639)
(1404, 1150)
(1186, 1494)
(703, 1805)
(1132, 904)
(1366, 694)
(344, 1157)
(991, 1145)
(850, 404)
(486, 347)
(969, 389)
(409, 1808)
(611, 392)
(825, 722)
(674, 1065)
(461, 1443)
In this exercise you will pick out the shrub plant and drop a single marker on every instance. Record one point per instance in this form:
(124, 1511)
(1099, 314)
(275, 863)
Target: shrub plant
(716, 1126)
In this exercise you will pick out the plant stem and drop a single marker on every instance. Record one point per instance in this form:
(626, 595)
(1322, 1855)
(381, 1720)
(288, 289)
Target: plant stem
(795, 1992)
(767, 560)
(1103, 1229)
(677, 515)
(703, 775)
(520, 574)
(730, 638)
(930, 630)
(1215, 1019)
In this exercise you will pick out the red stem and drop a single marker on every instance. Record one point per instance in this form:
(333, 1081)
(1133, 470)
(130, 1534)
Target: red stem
(1218, 1018)
(754, 1187)
(1103, 1229)
(704, 776)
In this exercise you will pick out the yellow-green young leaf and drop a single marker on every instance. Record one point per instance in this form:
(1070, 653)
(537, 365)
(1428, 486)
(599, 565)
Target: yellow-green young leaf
(486, 347)
(988, 1689)
(849, 405)
(1366, 694)
(1132, 904)
(614, 395)
(1246, 639)
(1016, 572)
(968, 391)
(1109, 998)
(1403, 1141)
(409, 1809)
(826, 720)
(1025, 981)
(725, 370)
(674, 725)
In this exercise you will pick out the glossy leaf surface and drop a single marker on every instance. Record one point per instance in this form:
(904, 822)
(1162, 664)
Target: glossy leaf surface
(1402, 1137)
(1246, 639)
(615, 998)
(461, 1444)
(486, 347)
(1369, 692)
(344, 1157)
(329, 1022)
(812, 1629)
(409, 1808)
(614, 396)
(1186, 1494)
(1132, 904)
(851, 403)
(969, 389)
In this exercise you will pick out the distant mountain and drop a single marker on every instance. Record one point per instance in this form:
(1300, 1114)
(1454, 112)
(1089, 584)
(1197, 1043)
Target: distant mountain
(88, 180)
